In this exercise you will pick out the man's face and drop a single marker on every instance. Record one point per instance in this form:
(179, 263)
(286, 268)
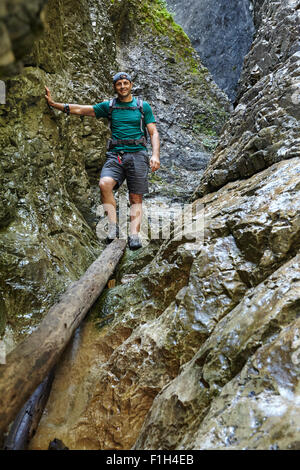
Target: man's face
(123, 88)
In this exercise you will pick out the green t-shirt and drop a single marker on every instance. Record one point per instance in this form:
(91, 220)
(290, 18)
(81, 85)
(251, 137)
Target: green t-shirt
(126, 124)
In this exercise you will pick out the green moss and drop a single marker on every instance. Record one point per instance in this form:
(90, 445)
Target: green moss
(210, 143)
(209, 122)
(154, 16)
(202, 124)
(162, 19)
(157, 22)
(162, 23)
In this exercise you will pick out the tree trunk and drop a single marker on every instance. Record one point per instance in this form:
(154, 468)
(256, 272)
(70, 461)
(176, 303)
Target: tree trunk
(29, 363)
(27, 420)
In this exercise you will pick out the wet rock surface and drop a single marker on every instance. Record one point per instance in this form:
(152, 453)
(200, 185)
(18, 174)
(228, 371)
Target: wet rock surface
(21, 23)
(187, 324)
(272, 46)
(258, 409)
(264, 397)
(47, 165)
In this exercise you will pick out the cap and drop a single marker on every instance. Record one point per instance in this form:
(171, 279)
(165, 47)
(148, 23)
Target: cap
(120, 76)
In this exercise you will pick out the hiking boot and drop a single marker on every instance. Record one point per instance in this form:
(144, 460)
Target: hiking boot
(134, 242)
(113, 232)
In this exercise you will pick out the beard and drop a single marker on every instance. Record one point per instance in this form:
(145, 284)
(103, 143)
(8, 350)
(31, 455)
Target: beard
(124, 94)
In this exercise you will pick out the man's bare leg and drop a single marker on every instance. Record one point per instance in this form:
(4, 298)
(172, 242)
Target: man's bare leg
(106, 185)
(135, 213)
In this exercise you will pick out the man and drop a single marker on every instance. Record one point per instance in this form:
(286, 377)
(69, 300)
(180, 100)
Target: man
(127, 156)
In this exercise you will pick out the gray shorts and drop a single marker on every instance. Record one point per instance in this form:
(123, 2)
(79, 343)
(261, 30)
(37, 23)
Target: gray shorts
(134, 167)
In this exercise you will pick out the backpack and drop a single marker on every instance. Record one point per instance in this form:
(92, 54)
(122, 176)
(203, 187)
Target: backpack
(117, 142)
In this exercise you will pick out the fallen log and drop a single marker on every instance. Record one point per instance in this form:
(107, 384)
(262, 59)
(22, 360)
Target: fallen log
(29, 363)
(27, 420)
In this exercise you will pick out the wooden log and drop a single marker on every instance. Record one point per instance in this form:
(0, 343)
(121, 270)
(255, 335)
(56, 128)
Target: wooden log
(27, 420)
(29, 363)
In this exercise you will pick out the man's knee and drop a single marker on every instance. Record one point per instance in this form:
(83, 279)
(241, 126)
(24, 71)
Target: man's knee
(106, 184)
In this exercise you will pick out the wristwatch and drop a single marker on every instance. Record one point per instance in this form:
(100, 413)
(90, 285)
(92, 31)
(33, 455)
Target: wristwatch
(67, 109)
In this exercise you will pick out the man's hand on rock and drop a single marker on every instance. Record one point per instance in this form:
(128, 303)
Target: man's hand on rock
(48, 97)
(154, 163)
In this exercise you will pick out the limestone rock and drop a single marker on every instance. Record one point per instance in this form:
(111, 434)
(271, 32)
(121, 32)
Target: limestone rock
(264, 127)
(259, 408)
(51, 163)
(21, 22)
(205, 330)
(221, 32)
(258, 319)
(272, 46)
(226, 306)
(47, 167)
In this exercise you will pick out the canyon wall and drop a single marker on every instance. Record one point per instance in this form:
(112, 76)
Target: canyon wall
(200, 349)
(221, 32)
(197, 345)
(50, 163)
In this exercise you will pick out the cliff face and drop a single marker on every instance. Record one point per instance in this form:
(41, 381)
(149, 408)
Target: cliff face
(20, 24)
(264, 127)
(221, 32)
(50, 163)
(47, 165)
(241, 388)
(200, 349)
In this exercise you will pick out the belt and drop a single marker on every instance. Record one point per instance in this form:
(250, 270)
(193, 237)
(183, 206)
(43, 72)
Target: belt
(117, 142)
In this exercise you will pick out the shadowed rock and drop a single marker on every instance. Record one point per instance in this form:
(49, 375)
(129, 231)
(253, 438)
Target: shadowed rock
(221, 32)
(20, 24)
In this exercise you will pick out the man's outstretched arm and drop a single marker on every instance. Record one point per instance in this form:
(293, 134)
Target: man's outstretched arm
(155, 143)
(78, 109)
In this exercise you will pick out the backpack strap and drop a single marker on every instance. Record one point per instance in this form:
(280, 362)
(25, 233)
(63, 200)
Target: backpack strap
(112, 105)
(139, 105)
(141, 109)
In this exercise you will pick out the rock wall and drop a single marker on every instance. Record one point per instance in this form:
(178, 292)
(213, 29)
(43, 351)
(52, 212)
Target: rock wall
(20, 24)
(200, 350)
(264, 127)
(50, 163)
(271, 47)
(187, 327)
(241, 389)
(221, 32)
(245, 311)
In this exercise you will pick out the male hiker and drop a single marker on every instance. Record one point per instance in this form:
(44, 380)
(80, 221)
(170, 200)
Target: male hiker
(127, 156)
